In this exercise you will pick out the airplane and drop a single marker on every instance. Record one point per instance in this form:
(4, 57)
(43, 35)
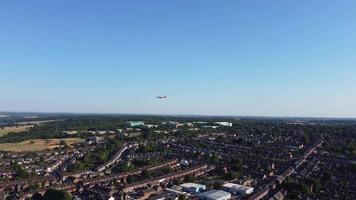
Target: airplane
(161, 97)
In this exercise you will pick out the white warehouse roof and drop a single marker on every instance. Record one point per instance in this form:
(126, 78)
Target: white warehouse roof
(192, 185)
(236, 188)
(215, 195)
(224, 123)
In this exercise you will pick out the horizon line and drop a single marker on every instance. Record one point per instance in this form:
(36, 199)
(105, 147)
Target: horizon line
(179, 115)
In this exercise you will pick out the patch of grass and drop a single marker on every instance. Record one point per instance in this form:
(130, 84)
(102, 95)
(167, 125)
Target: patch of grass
(37, 145)
(14, 129)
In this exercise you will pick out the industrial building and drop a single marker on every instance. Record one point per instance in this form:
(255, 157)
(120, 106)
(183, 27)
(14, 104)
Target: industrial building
(237, 189)
(193, 188)
(215, 195)
(224, 123)
(135, 123)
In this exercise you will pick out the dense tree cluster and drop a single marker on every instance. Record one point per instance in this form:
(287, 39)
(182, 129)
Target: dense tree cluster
(20, 172)
(52, 194)
(307, 187)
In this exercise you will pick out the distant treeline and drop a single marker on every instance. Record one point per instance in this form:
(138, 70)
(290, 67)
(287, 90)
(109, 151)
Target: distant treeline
(247, 125)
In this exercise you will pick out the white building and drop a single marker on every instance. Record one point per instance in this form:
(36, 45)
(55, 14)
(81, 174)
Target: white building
(172, 123)
(193, 187)
(238, 189)
(214, 127)
(224, 123)
(135, 123)
(151, 126)
(215, 195)
(176, 192)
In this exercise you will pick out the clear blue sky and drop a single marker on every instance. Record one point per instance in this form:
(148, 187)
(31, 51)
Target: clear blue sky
(265, 58)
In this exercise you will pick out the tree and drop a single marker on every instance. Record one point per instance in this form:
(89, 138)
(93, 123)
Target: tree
(217, 185)
(52, 194)
(37, 196)
(189, 178)
(214, 158)
(155, 187)
(305, 139)
(19, 171)
(63, 144)
(314, 184)
(326, 177)
(231, 175)
(236, 164)
(145, 174)
(166, 170)
(182, 197)
(130, 179)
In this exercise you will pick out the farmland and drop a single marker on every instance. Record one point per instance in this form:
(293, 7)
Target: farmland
(14, 129)
(37, 145)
